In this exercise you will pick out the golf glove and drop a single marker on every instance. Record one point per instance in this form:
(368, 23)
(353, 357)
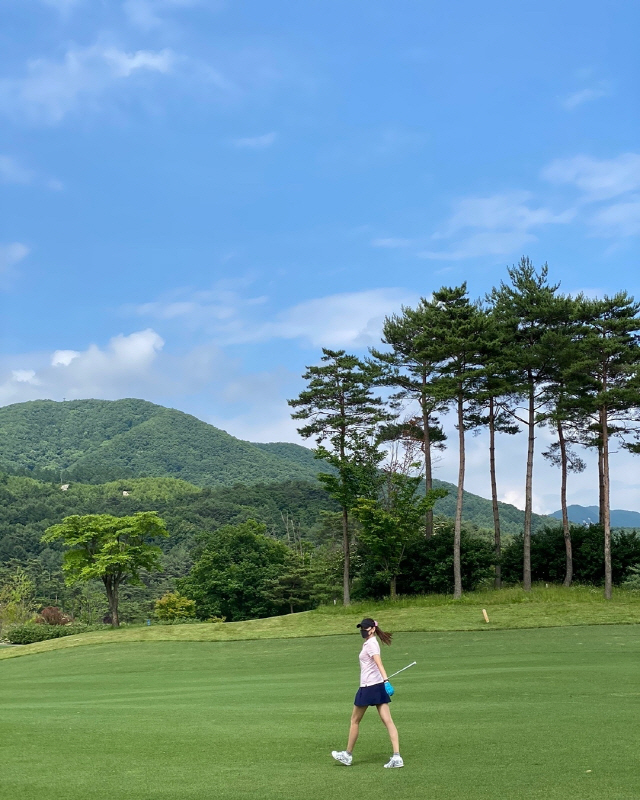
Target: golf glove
(388, 688)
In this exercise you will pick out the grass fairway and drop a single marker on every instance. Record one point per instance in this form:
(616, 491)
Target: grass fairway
(547, 713)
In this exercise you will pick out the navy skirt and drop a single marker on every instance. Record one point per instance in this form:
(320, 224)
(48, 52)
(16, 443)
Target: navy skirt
(374, 695)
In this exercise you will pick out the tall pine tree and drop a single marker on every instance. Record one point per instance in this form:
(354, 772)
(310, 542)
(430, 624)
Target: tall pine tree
(608, 372)
(459, 328)
(411, 368)
(343, 416)
(527, 306)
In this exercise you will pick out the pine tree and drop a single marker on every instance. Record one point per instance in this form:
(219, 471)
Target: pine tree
(411, 368)
(608, 376)
(343, 416)
(459, 328)
(527, 306)
(562, 415)
(492, 408)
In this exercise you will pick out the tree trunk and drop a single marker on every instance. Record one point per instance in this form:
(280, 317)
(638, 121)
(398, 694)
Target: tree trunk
(392, 588)
(457, 573)
(346, 597)
(606, 510)
(528, 492)
(428, 472)
(494, 494)
(566, 528)
(601, 501)
(111, 586)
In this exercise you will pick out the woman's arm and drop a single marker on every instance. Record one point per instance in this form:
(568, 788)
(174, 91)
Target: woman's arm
(378, 661)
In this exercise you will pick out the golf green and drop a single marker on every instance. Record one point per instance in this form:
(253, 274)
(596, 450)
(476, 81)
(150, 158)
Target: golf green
(548, 713)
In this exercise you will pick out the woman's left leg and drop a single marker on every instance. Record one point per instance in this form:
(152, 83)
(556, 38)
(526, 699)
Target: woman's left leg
(385, 716)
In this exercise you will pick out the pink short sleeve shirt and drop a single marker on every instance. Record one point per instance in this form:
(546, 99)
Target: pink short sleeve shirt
(369, 672)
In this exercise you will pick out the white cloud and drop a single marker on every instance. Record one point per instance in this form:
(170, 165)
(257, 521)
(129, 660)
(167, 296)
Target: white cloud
(10, 255)
(348, 320)
(601, 179)
(256, 142)
(24, 376)
(50, 90)
(619, 219)
(493, 243)
(11, 171)
(579, 98)
(63, 357)
(124, 366)
(496, 225)
(148, 14)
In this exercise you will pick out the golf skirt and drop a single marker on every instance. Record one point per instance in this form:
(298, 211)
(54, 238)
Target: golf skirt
(374, 695)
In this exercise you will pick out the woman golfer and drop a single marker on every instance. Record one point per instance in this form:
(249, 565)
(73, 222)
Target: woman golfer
(372, 692)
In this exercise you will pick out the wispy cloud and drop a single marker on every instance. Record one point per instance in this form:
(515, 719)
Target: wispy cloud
(598, 179)
(586, 95)
(50, 90)
(618, 219)
(11, 255)
(256, 142)
(12, 171)
(495, 225)
(150, 14)
(349, 319)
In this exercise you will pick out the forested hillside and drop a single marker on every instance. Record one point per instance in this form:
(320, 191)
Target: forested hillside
(29, 506)
(96, 441)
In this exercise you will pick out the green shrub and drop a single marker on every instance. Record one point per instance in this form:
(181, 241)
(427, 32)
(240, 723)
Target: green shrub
(32, 632)
(174, 606)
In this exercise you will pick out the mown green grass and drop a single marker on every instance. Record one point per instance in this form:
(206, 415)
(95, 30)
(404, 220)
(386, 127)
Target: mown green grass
(507, 609)
(549, 713)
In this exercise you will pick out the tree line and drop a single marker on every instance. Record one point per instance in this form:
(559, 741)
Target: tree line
(524, 356)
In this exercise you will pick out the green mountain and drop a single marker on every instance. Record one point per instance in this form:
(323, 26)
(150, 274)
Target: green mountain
(99, 441)
(96, 441)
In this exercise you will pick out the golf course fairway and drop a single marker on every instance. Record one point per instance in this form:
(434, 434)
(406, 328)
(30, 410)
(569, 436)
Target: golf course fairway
(547, 713)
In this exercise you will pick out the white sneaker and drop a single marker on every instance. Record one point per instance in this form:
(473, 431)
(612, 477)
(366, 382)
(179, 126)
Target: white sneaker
(395, 761)
(343, 757)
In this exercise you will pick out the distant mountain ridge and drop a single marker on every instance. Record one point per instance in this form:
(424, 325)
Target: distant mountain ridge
(589, 515)
(97, 441)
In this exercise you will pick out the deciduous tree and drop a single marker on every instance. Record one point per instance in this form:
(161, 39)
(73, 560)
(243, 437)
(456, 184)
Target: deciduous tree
(113, 549)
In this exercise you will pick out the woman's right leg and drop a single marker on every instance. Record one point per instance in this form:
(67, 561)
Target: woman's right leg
(356, 716)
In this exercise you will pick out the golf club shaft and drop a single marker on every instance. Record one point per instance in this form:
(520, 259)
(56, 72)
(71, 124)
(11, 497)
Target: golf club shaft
(403, 669)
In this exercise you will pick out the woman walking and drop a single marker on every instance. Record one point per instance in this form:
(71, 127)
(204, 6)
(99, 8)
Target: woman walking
(372, 692)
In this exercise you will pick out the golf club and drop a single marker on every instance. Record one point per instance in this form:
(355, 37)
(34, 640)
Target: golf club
(403, 669)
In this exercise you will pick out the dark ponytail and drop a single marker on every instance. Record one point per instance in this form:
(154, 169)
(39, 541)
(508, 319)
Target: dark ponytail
(384, 637)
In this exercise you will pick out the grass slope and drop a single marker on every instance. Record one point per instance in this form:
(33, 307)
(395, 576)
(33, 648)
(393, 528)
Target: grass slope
(507, 609)
(537, 714)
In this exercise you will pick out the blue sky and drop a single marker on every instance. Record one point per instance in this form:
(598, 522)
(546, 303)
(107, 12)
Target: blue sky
(197, 196)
